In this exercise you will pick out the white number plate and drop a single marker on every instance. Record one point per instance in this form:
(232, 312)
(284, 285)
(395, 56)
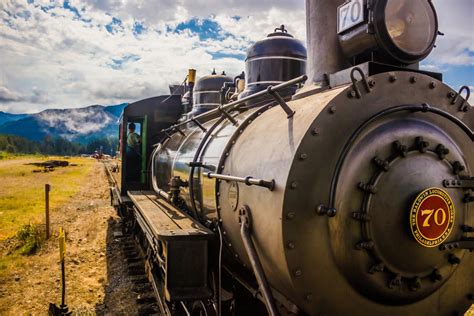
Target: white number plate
(350, 15)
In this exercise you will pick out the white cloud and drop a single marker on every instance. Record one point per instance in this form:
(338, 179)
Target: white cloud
(6, 95)
(54, 59)
(75, 62)
(456, 21)
(76, 121)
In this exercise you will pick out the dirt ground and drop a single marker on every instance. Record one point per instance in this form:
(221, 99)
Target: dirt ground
(96, 278)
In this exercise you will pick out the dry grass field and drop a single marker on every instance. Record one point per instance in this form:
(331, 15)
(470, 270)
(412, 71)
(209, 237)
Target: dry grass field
(22, 198)
(22, 190)
(96, 277)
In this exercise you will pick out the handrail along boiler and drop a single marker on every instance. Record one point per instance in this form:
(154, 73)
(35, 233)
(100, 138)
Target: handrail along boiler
(351, 195)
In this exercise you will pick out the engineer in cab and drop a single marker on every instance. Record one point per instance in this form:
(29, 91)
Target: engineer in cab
(133, 153)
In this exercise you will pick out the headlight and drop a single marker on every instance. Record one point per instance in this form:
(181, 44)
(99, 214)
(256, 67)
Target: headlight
(411, 25)
(403, 31)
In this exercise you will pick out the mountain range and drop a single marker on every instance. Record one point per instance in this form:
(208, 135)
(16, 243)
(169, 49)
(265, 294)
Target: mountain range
(79, 125)
(8, 117)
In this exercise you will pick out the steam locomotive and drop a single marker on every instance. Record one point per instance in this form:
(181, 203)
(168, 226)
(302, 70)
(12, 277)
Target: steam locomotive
(332, 180)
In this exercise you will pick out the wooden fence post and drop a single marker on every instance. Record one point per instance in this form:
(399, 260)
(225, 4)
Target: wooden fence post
(47, 188)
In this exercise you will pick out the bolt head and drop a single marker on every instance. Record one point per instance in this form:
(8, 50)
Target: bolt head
(331, 212)
(453, 259)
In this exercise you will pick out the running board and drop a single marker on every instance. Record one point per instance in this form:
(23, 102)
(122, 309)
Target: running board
(179, 246)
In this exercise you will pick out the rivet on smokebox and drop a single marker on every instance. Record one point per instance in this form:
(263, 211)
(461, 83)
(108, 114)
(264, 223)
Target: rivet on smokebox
(303, 156)
(393, 78)
(432, 85)
(291, 245)
(332, 109)
(290, 215)
(309, 297)
(293, 185)
(316, 131)
(297, 273)
(413, 79)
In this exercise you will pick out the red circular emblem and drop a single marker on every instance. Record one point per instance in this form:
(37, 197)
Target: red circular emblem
(432, 217)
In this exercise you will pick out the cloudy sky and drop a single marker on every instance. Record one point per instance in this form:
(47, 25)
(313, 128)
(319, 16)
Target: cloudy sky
(64, 54)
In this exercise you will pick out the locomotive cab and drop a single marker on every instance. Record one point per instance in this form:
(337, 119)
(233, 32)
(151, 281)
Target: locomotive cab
(150, 117)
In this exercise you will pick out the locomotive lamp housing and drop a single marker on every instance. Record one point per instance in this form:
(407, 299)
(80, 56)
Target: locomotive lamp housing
(391, 31)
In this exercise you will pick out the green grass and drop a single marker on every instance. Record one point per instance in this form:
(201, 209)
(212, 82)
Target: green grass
(5, 155)
(22, 191)
(30, 238)
(22, 204)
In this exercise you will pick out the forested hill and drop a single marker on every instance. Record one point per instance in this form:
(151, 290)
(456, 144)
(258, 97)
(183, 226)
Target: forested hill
(62, 131)
(81, 125)
(55, 146)
(8, 117)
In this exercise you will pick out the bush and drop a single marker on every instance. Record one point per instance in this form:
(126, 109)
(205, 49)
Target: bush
(30, 239)
(10, 149)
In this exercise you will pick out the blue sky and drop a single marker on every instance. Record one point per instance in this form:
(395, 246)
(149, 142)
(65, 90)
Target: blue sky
(62, 54)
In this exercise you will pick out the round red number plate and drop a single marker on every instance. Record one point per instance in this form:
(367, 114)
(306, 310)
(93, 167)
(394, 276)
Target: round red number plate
(432, 217)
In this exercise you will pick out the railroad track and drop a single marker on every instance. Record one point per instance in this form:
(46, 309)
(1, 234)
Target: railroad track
(142, 288)
(134, 260)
